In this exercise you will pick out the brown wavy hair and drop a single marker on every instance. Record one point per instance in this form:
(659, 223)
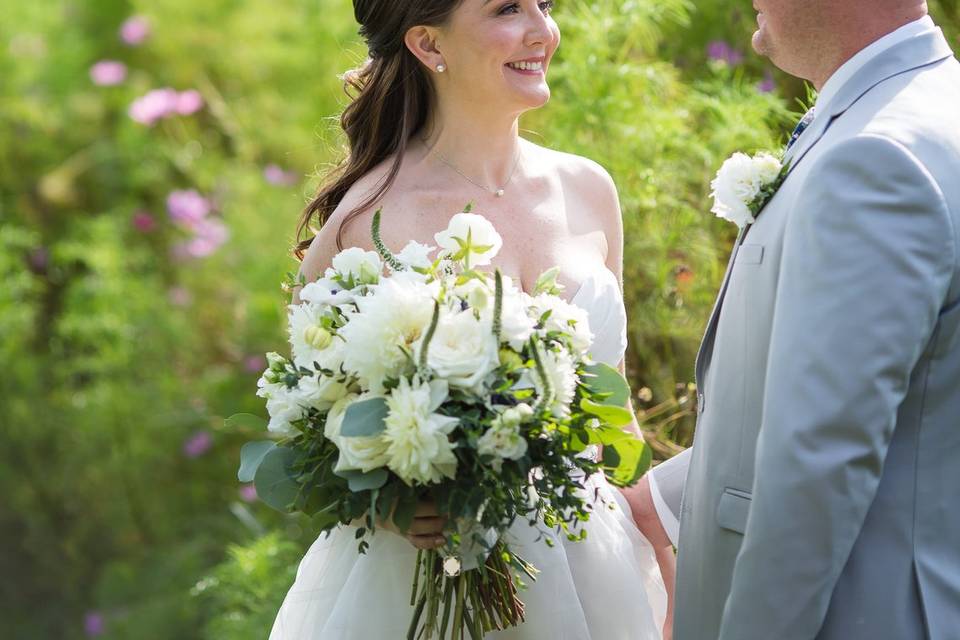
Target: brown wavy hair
(391, 95)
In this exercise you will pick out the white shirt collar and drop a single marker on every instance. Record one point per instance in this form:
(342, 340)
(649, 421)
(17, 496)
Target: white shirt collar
(840, 77)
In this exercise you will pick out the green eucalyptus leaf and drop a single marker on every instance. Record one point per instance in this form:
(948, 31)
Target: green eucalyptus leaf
(633, 458)
(603, 379)
(547, 282)
(251, 455)
(365, 418)
(405, 510)
(359, 481)
(275, 480)
(245, 421)
(610, 414)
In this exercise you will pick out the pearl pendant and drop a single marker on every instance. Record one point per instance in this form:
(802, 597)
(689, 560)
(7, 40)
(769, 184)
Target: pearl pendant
(498, 193)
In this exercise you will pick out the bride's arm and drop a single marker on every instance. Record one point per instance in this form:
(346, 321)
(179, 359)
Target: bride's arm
(639, 496)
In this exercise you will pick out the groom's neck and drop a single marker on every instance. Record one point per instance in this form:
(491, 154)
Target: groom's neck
(856, 26)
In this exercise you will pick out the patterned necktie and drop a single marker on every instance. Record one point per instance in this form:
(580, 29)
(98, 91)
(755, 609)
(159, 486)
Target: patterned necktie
(802, 126)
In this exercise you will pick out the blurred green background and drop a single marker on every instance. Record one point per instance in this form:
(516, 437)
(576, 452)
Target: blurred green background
(154, 158)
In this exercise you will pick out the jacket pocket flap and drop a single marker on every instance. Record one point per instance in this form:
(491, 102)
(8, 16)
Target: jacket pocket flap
(732, 510)
(750, 254)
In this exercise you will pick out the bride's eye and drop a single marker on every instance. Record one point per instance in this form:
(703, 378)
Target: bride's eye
(514, 7)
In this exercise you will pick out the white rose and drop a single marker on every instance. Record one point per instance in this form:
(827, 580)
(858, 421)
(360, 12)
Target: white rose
(284, 406)
(320, 391)
(394, 317)
(738, 183)
(420, 450)
(363, 266)
(356, 453)
(484, 241)
(463, 350)
(415, 255)
(503, 440)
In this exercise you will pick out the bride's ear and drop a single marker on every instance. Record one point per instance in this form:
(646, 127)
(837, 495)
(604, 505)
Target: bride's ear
(422, 42)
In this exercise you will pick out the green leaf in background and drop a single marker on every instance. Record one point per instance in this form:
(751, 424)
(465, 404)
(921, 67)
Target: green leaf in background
(360, 481)
(275, 481)
(245, 421)
(251, 455)
(603, 379)
(365, 418)
(610, 414)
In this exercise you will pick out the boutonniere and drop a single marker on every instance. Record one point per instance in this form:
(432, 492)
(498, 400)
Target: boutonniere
(744, 185)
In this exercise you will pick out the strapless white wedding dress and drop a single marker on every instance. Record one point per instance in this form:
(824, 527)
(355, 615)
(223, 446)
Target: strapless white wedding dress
(607, 587)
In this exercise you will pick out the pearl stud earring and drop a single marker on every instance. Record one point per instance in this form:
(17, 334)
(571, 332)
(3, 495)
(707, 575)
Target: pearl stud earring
(441, 68)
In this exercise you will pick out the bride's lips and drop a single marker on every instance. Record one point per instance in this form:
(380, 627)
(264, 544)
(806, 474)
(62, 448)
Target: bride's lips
(528, 66)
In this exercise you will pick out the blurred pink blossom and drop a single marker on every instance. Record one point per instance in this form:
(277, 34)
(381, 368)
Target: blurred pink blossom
(135, 30)
(144, 222)
(197, 444)
(721, 51)
(179, 296)
(94, 624)
(108, 73)
(189, 102)
(210, 235)
(163, 103)
(248, 493)
(767, 85)
(187, 208)
(277, 176)
(254, 364)
(153, 106)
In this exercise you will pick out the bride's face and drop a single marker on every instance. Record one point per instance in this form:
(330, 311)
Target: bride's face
(497, 52)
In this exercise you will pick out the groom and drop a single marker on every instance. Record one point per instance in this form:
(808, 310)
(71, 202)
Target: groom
(822, 498)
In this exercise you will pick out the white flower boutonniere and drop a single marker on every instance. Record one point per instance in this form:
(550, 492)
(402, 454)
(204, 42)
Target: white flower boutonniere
(744, 185)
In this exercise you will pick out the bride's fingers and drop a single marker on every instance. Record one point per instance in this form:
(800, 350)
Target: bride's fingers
(426, 542)
(425, 509)
(426, 526)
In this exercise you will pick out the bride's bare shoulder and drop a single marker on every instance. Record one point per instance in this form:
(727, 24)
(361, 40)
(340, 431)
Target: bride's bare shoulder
(578, 174)
(350, 221)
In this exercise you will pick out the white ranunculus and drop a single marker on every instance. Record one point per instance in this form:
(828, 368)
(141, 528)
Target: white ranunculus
(360, 454)
(321, 392)
(485, 242)
(516, 322)
(420, 450)
(363, 266)
(416, 255)
(562, 375)
(394, 316)
(565, 317)
(284, 406)
(739, 182)
(464, 350)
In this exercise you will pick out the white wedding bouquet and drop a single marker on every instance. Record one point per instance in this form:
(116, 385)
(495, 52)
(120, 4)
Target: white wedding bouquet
(419, 376)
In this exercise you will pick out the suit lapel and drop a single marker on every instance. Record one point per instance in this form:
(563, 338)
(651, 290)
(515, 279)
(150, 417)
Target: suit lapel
(922, 50)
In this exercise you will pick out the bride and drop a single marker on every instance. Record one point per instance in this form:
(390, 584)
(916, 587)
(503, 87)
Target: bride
(434, 125)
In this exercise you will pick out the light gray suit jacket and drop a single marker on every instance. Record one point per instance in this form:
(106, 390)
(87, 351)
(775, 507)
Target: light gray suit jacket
(823, 493)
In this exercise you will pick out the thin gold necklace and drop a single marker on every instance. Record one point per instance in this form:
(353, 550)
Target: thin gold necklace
(497, 192)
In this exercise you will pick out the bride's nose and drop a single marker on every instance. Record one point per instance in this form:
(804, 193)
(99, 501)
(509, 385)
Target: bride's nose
(538, 29)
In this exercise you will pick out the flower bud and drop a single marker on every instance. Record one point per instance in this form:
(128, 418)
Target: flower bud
(317, 337)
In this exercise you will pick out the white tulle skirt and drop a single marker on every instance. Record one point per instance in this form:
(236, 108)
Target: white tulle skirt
(607, 587)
